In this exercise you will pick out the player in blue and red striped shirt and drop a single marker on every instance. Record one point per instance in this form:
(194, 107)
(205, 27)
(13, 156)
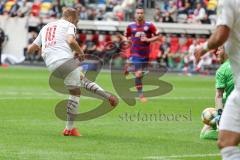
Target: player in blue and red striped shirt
(141, 34)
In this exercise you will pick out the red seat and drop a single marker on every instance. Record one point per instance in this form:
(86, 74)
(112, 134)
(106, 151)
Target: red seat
(201, 40)
(36, 9)
(108, 38)
(95, 38)
(154, 50)
(174, 44)
(183, 48)
(83, 37)
(189, 42)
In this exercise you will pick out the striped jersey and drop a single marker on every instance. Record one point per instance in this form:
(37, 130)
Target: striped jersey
(135, 31)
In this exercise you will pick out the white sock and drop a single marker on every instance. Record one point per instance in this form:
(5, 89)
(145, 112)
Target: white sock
(230, 153)
(72, 109)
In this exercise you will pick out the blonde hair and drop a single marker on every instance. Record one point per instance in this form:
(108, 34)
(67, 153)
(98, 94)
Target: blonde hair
(69, 12)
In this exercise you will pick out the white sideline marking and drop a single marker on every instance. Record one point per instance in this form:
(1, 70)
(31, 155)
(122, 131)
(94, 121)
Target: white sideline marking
(181, 156)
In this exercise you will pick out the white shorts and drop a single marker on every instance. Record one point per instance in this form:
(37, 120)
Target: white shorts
(72, 79)
(230, 119)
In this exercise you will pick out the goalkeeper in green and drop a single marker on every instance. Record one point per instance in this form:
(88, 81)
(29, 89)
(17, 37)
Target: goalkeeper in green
(224, 86)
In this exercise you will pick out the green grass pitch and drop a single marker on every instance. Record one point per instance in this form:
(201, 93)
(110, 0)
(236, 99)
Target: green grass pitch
(31, 131)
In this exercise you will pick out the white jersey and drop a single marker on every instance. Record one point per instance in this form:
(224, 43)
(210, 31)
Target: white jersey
(229, 15)
(53, 40)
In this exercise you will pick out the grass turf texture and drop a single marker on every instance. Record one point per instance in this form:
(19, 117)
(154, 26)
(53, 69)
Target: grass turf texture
(30, 129)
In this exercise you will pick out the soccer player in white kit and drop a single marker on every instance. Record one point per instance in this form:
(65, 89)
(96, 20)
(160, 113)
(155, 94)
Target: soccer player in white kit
(58, 44)
(228, 30)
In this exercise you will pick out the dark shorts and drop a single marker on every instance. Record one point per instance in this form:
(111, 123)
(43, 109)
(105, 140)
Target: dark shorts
(138, 64)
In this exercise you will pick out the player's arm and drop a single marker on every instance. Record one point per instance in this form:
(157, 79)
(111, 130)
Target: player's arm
(72, 42)
(152, 39)
(220, 36)
(36, 45)
(155, 34)
(122, 37)
(219, 98)
(33, 48)
(127, 34)
(220, 85)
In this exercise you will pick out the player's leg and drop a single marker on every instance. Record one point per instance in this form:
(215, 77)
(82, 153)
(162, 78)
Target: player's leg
(208, 132)
(138, 82)
(95, 88)
(72, 111)
(228, 143)
(229, 134)
(72, 82)
(139, 68)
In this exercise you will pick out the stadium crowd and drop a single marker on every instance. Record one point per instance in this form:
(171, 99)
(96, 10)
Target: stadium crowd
(180, 11)
(186, 11)
(174, 51)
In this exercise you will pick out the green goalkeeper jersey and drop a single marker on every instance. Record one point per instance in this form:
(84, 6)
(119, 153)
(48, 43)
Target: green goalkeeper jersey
(224, 79)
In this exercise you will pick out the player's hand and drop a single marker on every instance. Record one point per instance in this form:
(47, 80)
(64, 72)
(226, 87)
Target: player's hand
(199, 53)
(125, 70)
(80, 57)
(144, 39)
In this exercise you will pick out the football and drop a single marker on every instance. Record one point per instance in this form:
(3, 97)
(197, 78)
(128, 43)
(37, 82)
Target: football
(208, 116)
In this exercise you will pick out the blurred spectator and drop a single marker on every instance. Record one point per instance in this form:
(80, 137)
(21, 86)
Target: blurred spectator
(206, 20)
(165, 6)
(24, 9)
(54, 11)
(192, 2)
(2, 7)
(199, 14)
(157, 15)
(91, 14)
(109, 7)
(100, 15)
(118, 8)
(189, 59)
(2, 39)
(83, 14)
(187, 9)
(172, 10)
(128, 8)
(167, 18)
(13, 12)
(212, 7)
(162, 57)
(118, 13)
(180, 4)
